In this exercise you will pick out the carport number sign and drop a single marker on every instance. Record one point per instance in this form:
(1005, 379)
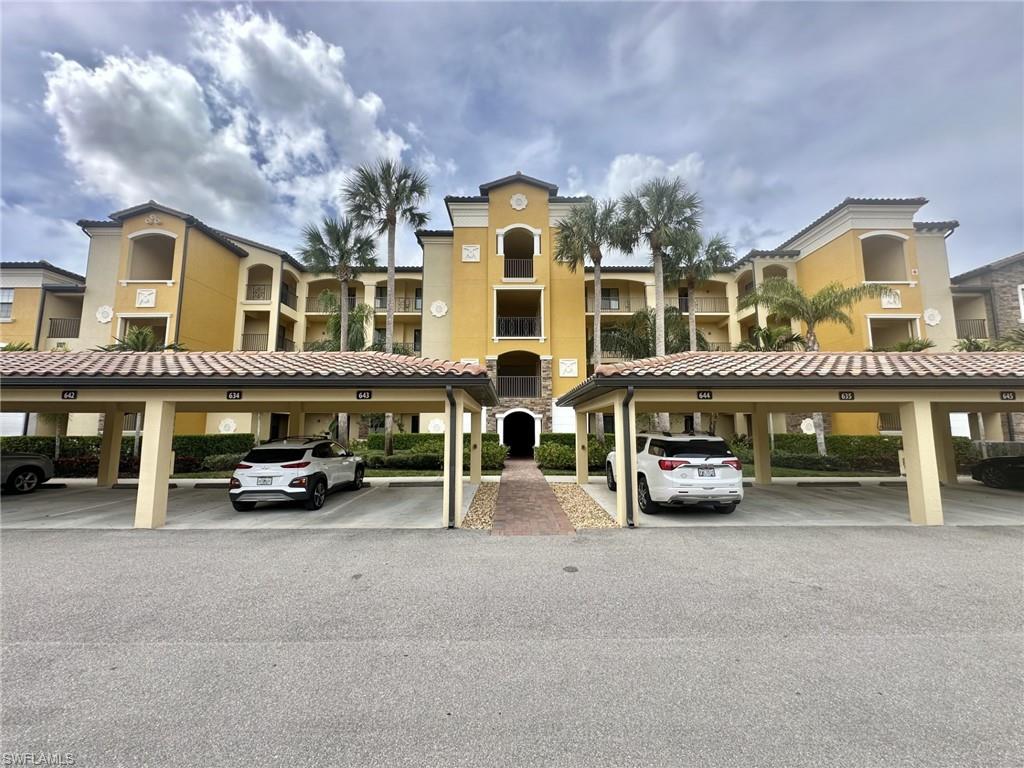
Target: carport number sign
(846, 395)
(233, 394)
(364, 394)
(1007, 395)
(69, 394)
(705, 394)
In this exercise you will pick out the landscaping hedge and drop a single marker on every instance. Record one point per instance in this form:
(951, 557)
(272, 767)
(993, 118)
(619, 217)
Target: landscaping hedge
(419, 441)
(492, 457)
(195, 446)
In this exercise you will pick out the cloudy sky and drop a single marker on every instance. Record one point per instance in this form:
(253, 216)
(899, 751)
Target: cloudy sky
(251, 116)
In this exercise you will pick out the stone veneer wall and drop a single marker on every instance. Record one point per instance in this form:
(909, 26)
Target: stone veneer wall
(541, 405)
(1006, 309)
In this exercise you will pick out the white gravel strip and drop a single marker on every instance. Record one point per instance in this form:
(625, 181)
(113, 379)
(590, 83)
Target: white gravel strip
(481, 512)
(580, 507)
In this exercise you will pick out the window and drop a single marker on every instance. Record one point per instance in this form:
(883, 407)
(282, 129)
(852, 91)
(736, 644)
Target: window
(6, 303)
(691, 448)
(640, 443)
(419, 298)
(610, 298)
(417, 339)
(338, 451)
(380, 297)
(379, 336)
(274, 455)
(322, 451)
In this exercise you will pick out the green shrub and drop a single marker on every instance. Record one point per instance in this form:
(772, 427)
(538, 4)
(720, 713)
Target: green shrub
(421, 441)
(810, 461)
(201, 446)
(221, 462)
(492, 456)
(412, 460)
(554, 455)
(967, 453)
(196, 446)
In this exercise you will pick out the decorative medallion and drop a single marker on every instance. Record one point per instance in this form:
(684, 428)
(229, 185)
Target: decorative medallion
(568, 368)
(518, 201)
(153, 220)
(436, 427)
(471, 253)
(807, 427)
(892, 299)
(145, 297)
(227, 426)
(439, 309)
(104, 314)
(932, 316)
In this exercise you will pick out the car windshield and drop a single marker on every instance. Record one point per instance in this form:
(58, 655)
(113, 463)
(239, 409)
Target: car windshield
(690, 448)
(274, 455)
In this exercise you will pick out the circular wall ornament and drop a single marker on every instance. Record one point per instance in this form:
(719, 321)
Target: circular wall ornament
(436, 426)
(439, 309)
(105, 313)
(518, 201)
(932, 316)
(807, 427)
(227, 426)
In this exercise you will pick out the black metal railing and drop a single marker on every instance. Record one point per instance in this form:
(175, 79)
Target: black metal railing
(971, 329)
(518, 327)
(64, 327)
(255, 342)
(130, 420)
(518, 269)
(700, 303)
(622, 304)
(718, 346)
(317, 304)
(288, 297)
(518, 386)
(286, 345)
(402, 304)
(258, 291)
(889, 422)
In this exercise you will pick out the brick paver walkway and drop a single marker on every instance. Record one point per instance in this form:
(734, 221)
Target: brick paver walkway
(526, 505)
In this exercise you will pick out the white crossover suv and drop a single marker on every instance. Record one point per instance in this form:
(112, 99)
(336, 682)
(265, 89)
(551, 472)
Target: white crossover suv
(684, 469)
(295, 469)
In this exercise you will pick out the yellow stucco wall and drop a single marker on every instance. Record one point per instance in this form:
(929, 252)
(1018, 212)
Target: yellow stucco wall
(209, 295)
(166, 295)
(24, 317)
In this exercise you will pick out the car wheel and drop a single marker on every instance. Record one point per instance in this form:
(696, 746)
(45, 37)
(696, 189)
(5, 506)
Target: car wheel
(243, 506)
(643, 494)
(357, 483)
(727, 509)
(317, 495)
(24, 480)
(994, 478)
(609, 477)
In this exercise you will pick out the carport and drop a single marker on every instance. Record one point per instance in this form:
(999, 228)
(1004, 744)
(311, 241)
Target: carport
(162, 384)
(923, 388)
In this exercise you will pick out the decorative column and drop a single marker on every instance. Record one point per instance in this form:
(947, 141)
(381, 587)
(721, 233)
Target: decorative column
(155, 465)
(923, 491)
(110, 448)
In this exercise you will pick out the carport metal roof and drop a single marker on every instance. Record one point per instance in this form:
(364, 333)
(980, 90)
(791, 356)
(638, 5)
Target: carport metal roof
(249, 369)
(801, 370)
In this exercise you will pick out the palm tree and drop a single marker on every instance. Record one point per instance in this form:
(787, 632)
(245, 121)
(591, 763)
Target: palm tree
(636, 337)
(771, 339)
(695, 260)
(907, 345)
(828, 305)
(17, 346)
(338, 247)
(1013, 341)
(358, 318)
(969, 344)
(582, 235)
(380, 197)
(653, 215)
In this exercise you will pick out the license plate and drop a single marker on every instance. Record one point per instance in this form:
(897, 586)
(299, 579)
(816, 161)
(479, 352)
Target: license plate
(705, 472)
(264, 481)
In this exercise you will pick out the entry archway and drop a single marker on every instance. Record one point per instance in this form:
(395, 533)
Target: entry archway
(519, 429)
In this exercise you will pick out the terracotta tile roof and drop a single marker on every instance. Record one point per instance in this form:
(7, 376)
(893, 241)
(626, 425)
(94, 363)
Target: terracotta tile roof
(909, 201)
(936, 226)
(371, 369)
(41, 264)
(808, 369)
(991, 266)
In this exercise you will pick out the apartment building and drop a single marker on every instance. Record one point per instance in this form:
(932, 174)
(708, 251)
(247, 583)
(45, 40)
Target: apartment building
(489, 291)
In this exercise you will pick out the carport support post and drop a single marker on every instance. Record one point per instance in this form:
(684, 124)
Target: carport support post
(626, 511)
(110, 448)
(582, 472)
(475, 446)
(944, 446)
(296, 422)
(923, 489)
(155, 465)
(451, 505)
(762, 447)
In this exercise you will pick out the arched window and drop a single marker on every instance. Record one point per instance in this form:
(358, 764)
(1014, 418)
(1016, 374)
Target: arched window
(884, 258)
(151, 258)
(518, 245)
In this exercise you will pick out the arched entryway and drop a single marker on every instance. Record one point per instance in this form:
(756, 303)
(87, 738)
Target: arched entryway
(519, 433)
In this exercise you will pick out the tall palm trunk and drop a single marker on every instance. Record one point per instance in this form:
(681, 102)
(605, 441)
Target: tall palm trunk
(664, 424)
(342, 424)
(816, 418)
(596, 258)
(389, 331)
(691, 315)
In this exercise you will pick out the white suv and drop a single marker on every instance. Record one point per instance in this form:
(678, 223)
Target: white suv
(684, 469)
(294, 469)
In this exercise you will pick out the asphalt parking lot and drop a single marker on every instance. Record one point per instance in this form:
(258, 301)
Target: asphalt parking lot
(784, 646)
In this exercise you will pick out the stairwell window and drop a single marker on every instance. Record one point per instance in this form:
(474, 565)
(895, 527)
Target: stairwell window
(610, 299)
(6, 303)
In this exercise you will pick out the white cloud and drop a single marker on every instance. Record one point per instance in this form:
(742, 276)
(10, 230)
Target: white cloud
(627, 172)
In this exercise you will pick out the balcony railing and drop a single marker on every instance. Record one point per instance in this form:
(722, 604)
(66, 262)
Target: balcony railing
(317, 304)
(719, 346)
(971, 329)
(518, 327)
(286, 345)
(623, 304)
(889, 422)
(518, 269)
(130, 419)
(64, 327)
(518, 386)
(402, 304)
(258, 291)
(288, 297)
(700, 303)
(255, 342)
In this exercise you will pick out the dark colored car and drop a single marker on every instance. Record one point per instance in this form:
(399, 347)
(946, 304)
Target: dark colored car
(1000, 472)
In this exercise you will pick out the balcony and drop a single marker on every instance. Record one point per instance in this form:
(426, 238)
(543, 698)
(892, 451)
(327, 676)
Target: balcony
(701, 304)
(889, 422)
(286, 345)
(64, 327)
(518, 327)
(255, 342)
(623, 304)
(719, 346)
(971, 329)
(402, 304)
(258, 291)
(518, 386)
(518, 269)
(289, 297)
(130, 420)
(317, 305)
